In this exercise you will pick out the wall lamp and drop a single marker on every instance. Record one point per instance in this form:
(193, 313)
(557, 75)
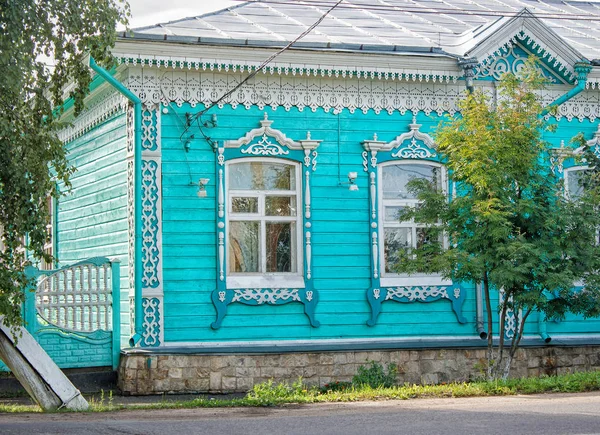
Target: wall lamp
(202, 182)
(352, 186)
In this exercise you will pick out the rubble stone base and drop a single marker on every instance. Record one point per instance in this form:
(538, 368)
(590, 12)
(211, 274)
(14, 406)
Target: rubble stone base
(211, 373)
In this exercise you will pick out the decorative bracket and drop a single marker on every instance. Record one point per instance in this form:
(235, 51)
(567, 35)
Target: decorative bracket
(424, 294)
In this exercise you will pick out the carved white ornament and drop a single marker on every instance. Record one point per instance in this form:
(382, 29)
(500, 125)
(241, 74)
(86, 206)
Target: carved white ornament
(150, 223)
(308, 255)
(265, 148)
(150, 323)
(376, 293)
(413, 150)
(275, 68)
(374, 244)
(540, 49)
(131, 224)
(307, 195)
(334, 94)
(495, 66)
(106, 105)
(417, 293)
(265, 296)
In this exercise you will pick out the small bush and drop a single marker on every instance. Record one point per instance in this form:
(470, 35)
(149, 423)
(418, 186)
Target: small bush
(375, 376)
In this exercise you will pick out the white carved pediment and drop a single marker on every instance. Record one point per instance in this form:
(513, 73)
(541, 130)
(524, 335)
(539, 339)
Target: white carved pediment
(595, 142)
(526, 28)
(265, 146)
(413, 144)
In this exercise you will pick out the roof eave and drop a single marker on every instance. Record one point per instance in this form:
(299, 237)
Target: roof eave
(314, 46)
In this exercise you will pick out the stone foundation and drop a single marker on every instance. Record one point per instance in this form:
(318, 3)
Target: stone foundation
(141, 374)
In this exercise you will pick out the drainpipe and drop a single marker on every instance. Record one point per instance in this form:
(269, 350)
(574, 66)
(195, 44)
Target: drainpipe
(137, 107)
(468, 65)
(542, 329)
(479, 299)
(582, 69)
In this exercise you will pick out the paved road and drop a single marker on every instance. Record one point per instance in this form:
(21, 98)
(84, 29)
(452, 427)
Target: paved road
(542, 414)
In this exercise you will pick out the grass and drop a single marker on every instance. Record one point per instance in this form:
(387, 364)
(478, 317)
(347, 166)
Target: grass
(277, 394)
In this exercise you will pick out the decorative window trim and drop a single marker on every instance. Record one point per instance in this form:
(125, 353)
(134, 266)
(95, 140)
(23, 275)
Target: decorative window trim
(267, 279)
(411, 147)
(277, 292)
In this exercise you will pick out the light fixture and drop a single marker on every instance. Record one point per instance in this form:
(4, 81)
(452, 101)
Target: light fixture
(353, 187)
(202, 182)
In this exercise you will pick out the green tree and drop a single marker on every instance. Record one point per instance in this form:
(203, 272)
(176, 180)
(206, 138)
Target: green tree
(32, 158)
(510, 226)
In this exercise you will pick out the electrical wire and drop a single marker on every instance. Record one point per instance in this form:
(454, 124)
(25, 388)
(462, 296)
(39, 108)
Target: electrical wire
(431, 10)
(196, 116)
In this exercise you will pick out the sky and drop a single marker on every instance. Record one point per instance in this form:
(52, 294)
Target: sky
(149, 12)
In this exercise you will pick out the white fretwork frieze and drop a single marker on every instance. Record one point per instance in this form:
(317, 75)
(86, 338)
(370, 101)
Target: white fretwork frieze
(266, 296)
(155, 86)
(106, 105)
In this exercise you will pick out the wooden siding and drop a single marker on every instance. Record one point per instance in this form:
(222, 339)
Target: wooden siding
(340, 240)
(92, 217)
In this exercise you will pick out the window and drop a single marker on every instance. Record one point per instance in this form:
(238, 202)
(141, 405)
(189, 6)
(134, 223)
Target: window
(399, 237)
(263, 223)
(573, 187)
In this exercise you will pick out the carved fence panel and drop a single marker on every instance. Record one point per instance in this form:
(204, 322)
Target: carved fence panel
(74, 312)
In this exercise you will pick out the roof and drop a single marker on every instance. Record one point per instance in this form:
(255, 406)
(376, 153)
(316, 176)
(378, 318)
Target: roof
(452, 27)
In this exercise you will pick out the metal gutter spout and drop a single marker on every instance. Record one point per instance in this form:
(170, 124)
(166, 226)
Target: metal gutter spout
(480, 323)
(582, 69)
(137, 107)
(542, 329)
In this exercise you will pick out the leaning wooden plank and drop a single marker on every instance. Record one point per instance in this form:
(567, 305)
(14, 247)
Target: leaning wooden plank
(35, 386)
(45, 369)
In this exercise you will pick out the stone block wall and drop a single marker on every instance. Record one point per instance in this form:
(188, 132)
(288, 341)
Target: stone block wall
(141, 374)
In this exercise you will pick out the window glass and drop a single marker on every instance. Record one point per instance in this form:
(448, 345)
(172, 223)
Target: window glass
(574, 188)
(280, 206)
(263, 221)
(280, 247)
(400, 237)
(244, 205)
(261, 176)
(396, 178)
(244, 246)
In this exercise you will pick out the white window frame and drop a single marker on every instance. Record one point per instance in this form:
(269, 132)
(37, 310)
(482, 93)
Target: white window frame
(566, 176)
(266, 279)
(393, 279)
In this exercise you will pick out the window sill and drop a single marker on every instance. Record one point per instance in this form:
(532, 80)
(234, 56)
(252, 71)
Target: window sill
(413, 280)
(265, 281)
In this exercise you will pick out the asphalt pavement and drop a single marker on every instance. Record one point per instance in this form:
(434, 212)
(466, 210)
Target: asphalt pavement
(537, 414)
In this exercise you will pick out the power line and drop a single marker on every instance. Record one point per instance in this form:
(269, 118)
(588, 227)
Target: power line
(431, 10)
(256, 71)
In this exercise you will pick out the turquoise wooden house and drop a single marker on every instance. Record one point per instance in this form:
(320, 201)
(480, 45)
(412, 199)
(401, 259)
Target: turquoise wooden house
(255, 210)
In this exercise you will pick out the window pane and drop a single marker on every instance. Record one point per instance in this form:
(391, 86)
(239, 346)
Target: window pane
(428, 235)
(281, 247)
(244, 205)
(244, 246)
(261, 176)
(280, 206)
(395, 179)
(392, 214)
(397, 241)
(574, 187)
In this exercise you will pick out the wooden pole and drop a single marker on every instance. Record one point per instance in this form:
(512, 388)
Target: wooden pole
(37, 373)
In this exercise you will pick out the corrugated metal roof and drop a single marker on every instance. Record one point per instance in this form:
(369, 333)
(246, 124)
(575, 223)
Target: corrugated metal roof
(383, 24)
